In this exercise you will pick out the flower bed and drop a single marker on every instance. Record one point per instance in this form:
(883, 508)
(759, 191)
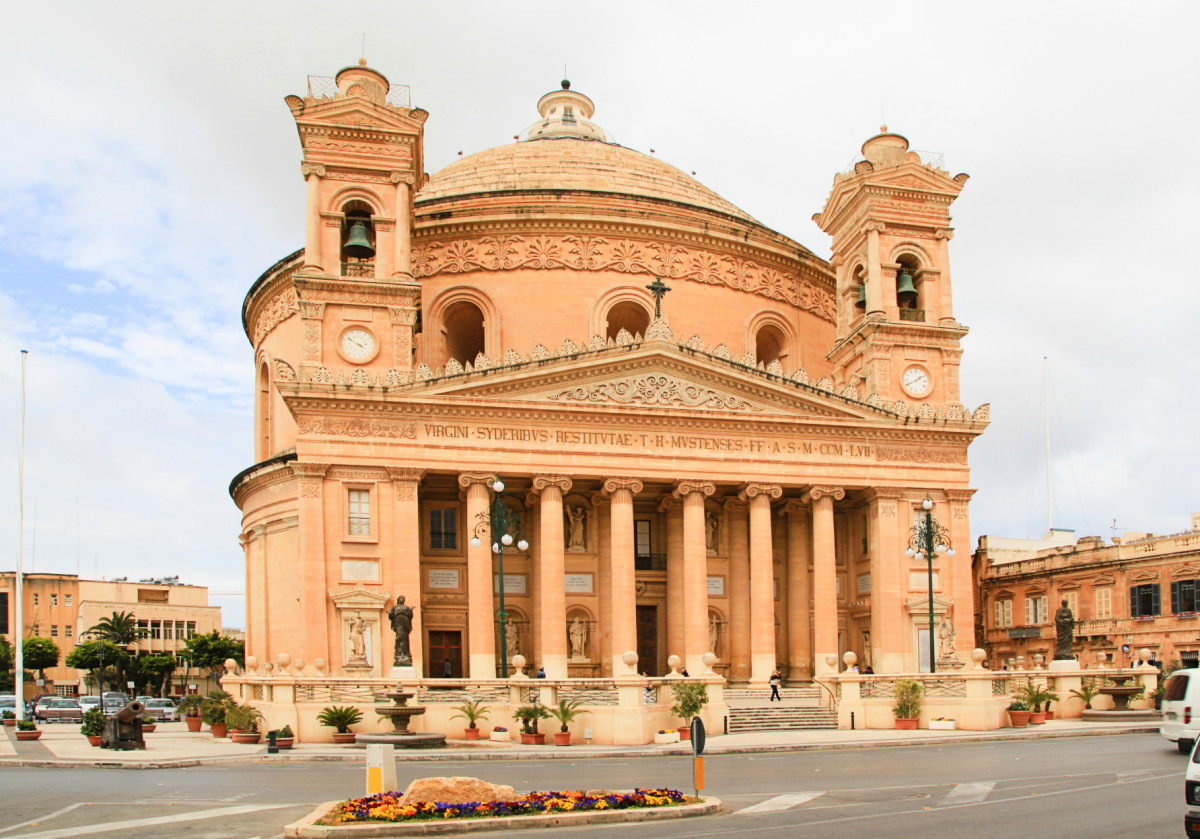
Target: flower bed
(386, 807)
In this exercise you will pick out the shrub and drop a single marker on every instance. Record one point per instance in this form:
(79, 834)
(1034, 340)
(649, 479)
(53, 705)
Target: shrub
(690, 698)
(7, 715)
(1018, 705)
(215, 706)
(285, 732)
(26, 725)
(340, 717)
(243, 718)
(528, 715)
(191, 705)
(907, 702)
(93, 723)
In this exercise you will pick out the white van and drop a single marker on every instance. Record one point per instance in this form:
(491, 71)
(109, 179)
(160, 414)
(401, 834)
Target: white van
(1181, 709)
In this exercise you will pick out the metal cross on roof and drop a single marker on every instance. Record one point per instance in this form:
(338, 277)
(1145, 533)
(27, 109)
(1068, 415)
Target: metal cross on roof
(658, 289)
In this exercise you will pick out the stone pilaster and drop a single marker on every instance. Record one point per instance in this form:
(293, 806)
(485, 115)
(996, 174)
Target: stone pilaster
(405, 571)
(481, 633)
(623, 607)
(799, 557)
(825, 602)
(695, 572)
(762, 581)
(552, 612)
(738, 637)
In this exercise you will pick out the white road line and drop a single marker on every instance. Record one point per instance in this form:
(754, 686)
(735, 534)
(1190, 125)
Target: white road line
(967, 794)
(41, 819)
(71, 832)
(780, 802)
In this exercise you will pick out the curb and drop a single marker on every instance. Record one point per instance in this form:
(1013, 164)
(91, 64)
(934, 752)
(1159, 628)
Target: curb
(426, 756)
(306, 828)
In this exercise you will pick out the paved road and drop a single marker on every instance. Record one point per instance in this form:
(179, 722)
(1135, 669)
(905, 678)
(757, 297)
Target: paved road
(1126, 786)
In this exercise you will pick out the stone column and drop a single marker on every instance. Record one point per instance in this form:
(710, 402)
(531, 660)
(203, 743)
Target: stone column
(945, 299)
(552, 595)
(799, 556)
(695, 573)
(402, 262)
(890, 641)
(762, 582)
(957, 580)
(674, 511)
(406, 565)
(481, 608)
(825, 603)
(622, 586)
(309, 624)
(313, 172)
(603, 651)
(737, 651)
(874, 269)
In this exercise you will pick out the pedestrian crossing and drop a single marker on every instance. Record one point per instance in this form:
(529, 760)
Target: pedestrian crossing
(958, 795)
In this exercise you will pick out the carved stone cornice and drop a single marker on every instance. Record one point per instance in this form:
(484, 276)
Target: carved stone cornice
(541, 482)
(405, 474)
(611, 485)
(654, 389)
(754, 489)
(687, 487)
(817, 493)
(466, 480)
(362, 473)
(309, 469)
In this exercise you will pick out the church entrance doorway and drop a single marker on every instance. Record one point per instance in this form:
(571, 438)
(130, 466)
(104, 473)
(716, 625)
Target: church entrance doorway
(647, 639)
(443, 645)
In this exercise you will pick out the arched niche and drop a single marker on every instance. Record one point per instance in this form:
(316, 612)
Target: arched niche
(462, 323)
(628, 307)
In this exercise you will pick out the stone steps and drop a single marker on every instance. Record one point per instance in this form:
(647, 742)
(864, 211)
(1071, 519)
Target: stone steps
(779, 717)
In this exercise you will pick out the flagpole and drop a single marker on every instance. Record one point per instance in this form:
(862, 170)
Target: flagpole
(19, 669)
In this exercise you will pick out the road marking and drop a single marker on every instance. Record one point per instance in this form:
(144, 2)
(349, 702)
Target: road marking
(967, 794)
(71, 832)
(780, 802)
(41, 819)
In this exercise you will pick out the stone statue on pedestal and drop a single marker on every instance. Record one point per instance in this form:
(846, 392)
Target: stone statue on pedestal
(358, 640)
(1064, 624)
(575, 535)
(402, 620)
(577, 633)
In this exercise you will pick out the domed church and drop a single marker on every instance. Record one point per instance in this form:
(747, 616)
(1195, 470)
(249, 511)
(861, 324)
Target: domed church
(560, 406)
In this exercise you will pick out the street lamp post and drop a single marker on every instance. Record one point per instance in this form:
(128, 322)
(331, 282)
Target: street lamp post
(502, 526)
(926, 539)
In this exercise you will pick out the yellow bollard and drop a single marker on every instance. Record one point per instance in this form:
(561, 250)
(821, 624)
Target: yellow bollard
(381, 768)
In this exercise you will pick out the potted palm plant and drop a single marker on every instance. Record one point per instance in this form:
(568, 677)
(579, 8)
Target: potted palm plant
(216, 705)
(340, 717)
(1087, 693)
(566, 711)
(243, 723)
(528, 715)
(1018, 713)
(284, 738)
(1035, 696)
(27, 730)
(906, 703)
(690, 698)
(473, 710)
(92, 726)
(190, 707)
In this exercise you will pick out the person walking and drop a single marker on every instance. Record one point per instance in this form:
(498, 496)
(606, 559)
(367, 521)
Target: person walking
(776, 681)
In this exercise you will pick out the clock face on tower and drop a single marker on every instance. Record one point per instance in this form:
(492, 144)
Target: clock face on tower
(358, 344)
(915, 381)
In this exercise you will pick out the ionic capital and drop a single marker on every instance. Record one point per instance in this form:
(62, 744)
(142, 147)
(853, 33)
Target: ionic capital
(668, 503)
(686, 488)
(611, 485)
(817, 493)
(794, 507)
(946, 233)
(541, 482)
(402, 178)
(874, 226)
(317, 169)
(753, 490)
(737, 503)
(466, 480)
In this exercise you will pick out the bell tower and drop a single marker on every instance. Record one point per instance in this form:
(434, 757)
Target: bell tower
(890, 223)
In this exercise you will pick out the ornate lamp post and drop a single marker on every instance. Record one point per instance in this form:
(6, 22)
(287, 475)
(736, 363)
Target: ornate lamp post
(926, 539)
(502, 526)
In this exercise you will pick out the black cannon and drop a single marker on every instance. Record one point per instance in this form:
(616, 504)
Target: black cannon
(123, 730)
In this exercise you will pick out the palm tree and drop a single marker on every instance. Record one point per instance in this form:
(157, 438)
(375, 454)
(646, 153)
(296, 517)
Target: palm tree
(121, 628)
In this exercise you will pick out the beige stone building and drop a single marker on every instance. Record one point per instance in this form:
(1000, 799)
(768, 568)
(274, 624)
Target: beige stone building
(731, 463)
(1142, 591)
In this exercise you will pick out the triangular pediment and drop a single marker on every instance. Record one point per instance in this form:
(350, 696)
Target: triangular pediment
(651, 377)
(355, 112)
(914, 176)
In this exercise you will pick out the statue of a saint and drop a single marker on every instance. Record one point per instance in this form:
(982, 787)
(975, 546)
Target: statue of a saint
(575, 535)
(402, 618)
(946, 636)
(510, 640)
(1064, 624)
(710, 533)
(713, 632)
(358, 632)
(577, 633)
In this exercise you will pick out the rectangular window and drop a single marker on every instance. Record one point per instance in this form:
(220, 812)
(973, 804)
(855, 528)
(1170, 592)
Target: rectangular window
(191, 629)
(53, 599)
(1035, 610)
(1003, 614)
(53, 630)
(67, 630)
(67, 599)
(156, 630)
(1143, 600)
(1102, 598)
(643, 545)
(1183, 596)
(35, 598)
(1072, 598)
(360, 512)
(443, 529)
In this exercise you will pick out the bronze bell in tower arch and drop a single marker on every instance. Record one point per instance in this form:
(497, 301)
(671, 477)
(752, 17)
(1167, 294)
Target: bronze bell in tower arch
(358, 244)
(904, 286)
(861, 302)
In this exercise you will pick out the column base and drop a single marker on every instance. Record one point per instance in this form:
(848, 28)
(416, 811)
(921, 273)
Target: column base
(1063, 664)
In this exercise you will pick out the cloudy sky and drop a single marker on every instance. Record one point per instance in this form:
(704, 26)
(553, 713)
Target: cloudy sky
(149, 172)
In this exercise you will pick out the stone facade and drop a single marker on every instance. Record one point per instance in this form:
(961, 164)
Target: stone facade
(729, 464)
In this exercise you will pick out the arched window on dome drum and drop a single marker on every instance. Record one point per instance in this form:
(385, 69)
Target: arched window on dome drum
(463, 331)
(910, 289)
(770, 344)
(629, 316)
(358, 241)
(263, 406)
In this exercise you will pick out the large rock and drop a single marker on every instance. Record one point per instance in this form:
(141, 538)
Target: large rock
(456, 791)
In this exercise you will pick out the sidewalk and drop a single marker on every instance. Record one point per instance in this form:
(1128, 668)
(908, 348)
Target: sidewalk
(172, 745)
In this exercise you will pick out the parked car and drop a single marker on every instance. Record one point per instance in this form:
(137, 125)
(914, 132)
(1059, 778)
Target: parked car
(163, 709)
(87, 703)
(115, 701)
(8, 702)
(1191, 797)
(60, 709)
(1180, 721)
(143, 698)
(40, 702)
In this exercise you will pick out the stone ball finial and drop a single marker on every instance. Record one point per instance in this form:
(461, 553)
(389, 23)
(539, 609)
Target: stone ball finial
(1144, 654)
(1020, 662)
(673, 663)
(977, 656)
(1037, 661)
(631, 659)
(319, 663)
(709, 660)
(268, 667)
(283, 660)
(251, 664)
(230, 666)
(849, 658)
(299, 665)
(362, 62)
(518, 661)
(566, 84)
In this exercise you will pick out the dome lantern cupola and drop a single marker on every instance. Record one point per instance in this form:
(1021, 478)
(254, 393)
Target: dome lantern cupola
(565, 113)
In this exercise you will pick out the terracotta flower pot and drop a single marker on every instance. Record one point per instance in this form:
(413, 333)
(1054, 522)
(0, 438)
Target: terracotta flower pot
(149, 727)
(193, 723)
(285, 742)
(1049, 715)
(249, 737)
(471, 733)
(1018, 719)
(562, 738)
(29, 735)
(343, 737)
(94, 739)
(1037, 717)
(11, 723)
(907, 723)
(533, 739)
(685, 732)
(219, 729)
